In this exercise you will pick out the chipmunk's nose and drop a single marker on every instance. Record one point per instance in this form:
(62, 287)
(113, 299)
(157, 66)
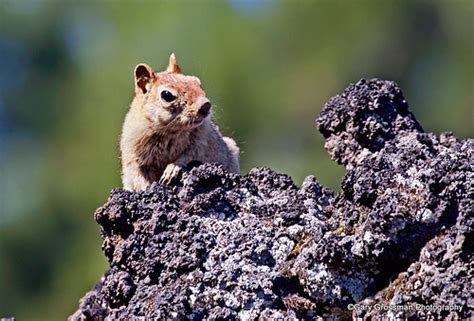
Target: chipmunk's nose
(205, 108)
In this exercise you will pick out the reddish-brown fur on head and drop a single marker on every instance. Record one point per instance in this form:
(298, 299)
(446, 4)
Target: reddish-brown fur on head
(169, 99)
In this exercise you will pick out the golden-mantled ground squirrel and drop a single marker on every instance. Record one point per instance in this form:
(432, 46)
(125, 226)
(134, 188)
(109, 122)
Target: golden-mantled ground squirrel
(167, 126)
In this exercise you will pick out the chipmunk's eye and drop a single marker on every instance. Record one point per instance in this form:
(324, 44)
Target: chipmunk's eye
(167, 96)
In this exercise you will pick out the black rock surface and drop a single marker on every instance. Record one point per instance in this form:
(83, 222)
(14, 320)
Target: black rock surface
(217, 246)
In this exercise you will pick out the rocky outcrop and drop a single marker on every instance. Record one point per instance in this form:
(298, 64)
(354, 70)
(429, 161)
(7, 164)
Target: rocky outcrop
(397, 241)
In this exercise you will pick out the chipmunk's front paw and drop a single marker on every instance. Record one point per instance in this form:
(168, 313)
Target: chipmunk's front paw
(172, 173)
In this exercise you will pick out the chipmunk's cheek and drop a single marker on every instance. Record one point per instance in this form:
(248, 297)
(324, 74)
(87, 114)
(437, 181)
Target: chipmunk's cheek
(164, 117)
(157, 114)
(183, 119)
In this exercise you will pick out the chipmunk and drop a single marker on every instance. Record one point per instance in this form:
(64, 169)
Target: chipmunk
(167, 126)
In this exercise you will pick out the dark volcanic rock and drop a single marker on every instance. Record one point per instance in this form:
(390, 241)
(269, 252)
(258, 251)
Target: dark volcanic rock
(216, 245)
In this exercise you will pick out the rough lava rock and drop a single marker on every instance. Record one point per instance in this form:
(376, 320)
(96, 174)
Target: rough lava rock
(396, 242)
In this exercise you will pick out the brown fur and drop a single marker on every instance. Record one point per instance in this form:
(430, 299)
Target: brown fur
(159, 138)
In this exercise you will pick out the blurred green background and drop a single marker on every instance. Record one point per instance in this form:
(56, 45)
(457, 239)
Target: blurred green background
(66, 79)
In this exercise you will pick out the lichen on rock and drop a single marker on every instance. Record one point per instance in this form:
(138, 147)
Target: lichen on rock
(216, 245)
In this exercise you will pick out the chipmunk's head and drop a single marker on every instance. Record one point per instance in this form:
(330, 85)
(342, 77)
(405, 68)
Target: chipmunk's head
(170, 99)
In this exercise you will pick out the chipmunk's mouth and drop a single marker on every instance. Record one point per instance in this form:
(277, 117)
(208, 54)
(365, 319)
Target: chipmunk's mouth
(196, 121)
(201, 114)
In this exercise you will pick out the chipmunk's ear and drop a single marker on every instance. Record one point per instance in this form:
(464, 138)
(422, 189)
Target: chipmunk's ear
(173, 66)
(143, 75)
